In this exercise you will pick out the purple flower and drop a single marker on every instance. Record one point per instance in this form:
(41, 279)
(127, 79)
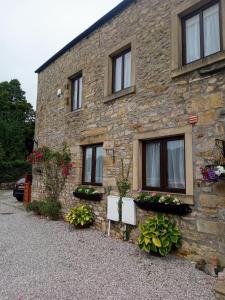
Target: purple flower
(211, 175)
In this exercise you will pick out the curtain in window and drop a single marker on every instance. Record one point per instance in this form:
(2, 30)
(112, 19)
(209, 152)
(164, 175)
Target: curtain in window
(80, 91)
(153, 165)
(118, 74)
(211, 30)
(175, 152)
(99, 165)
(127, 70)
(88, 164)
(75, 92)
(192, 39)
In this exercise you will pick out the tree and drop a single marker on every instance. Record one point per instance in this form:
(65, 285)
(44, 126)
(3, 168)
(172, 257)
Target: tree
(17, 119)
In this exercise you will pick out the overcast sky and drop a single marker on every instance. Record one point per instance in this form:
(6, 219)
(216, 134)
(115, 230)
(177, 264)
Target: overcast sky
(31, 31)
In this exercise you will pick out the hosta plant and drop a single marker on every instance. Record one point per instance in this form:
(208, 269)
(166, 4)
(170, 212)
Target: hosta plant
(159, 235)
(81, 216)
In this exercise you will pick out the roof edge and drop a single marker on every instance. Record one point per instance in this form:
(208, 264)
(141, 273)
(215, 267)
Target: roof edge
(103, 20)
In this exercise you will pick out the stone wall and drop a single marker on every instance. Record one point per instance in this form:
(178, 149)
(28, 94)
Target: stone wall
(157, 102)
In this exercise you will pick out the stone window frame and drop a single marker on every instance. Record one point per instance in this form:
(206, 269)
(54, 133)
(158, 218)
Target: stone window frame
(177, 67)
(108, 82)
(93, 164)
(70, 92)
(186, 131)
(163, 164)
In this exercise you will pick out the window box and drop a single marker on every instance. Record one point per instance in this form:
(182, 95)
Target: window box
(87, 194)
(174, 209)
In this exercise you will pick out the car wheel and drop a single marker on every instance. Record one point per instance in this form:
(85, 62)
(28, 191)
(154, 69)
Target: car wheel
(20, 199)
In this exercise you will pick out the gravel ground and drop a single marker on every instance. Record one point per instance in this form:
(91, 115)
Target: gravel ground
(42, 259)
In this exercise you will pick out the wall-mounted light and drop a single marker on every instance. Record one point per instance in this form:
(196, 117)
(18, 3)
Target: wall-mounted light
(59, 93)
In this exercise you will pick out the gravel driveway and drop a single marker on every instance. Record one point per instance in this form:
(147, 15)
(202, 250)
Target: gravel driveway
(42, 259)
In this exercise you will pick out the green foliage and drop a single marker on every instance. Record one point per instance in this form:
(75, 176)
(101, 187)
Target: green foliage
(51, 208)
(12, 171)
(80, 216)
(48, 208)
(157, 198)
(86, 190)
(159, 235)
(17, 119)
(2, 153)
(35, 206)
(54, 167)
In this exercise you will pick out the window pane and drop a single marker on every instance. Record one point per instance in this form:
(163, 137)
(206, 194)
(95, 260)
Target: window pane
(75, 91)
(88, 165)
(80, 91)
(127, 70)
(211, 30)
(175, 152)
(118, 74)
(192, 39)
(99, 164)
(153, 165)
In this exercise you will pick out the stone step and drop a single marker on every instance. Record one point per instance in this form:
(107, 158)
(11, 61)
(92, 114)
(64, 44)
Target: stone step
(220, 290)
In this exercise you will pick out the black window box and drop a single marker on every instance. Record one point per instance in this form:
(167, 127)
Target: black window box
(174, 209)
(89, 197)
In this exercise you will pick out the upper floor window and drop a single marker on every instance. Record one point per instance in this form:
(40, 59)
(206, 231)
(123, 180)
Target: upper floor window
(201, 33)
(164, 165)
(122, 71)
(93, 165)
(77, 87)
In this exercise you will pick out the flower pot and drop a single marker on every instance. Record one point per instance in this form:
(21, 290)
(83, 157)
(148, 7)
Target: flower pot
(89, 197)
(181, 209)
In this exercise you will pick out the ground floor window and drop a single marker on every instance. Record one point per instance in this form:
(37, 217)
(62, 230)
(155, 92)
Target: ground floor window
(164, 164)
(93, 164)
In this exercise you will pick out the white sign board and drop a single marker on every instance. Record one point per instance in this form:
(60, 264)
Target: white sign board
(129, 211)
(112, 208)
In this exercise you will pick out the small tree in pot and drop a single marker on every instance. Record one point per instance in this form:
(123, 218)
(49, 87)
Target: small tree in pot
(123, 186)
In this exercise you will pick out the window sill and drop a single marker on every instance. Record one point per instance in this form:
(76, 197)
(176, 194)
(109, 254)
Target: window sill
(74, 112)
(205, 62)
(120, 94)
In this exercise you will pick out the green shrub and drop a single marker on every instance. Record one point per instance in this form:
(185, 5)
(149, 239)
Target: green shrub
(35, 206)
(80, 216)
(159, 235)
(49, 208)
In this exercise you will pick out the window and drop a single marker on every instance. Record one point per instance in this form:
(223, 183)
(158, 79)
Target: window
(122, 71)
(164, 165)
(93, 165)
(77, 87)
(201, 33)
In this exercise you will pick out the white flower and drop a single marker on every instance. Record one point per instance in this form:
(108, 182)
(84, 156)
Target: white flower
(220, 169)
(162, 199)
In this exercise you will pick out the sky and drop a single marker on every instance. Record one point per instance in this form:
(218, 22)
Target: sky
(31, 31)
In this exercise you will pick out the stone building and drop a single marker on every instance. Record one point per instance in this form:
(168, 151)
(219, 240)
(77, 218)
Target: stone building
(126, 88)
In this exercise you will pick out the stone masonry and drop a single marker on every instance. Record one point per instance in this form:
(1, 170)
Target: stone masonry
(162, 99)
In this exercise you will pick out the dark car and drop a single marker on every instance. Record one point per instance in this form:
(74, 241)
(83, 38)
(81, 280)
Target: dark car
(18, 190)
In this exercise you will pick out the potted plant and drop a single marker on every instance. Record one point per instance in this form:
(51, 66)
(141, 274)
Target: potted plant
(80, 217)
(213, 173)
(87, 194)
(159, 235)
(162, 203)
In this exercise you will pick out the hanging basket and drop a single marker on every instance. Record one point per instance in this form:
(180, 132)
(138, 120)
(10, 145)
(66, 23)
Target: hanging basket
(174, 209)
(89, 197)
